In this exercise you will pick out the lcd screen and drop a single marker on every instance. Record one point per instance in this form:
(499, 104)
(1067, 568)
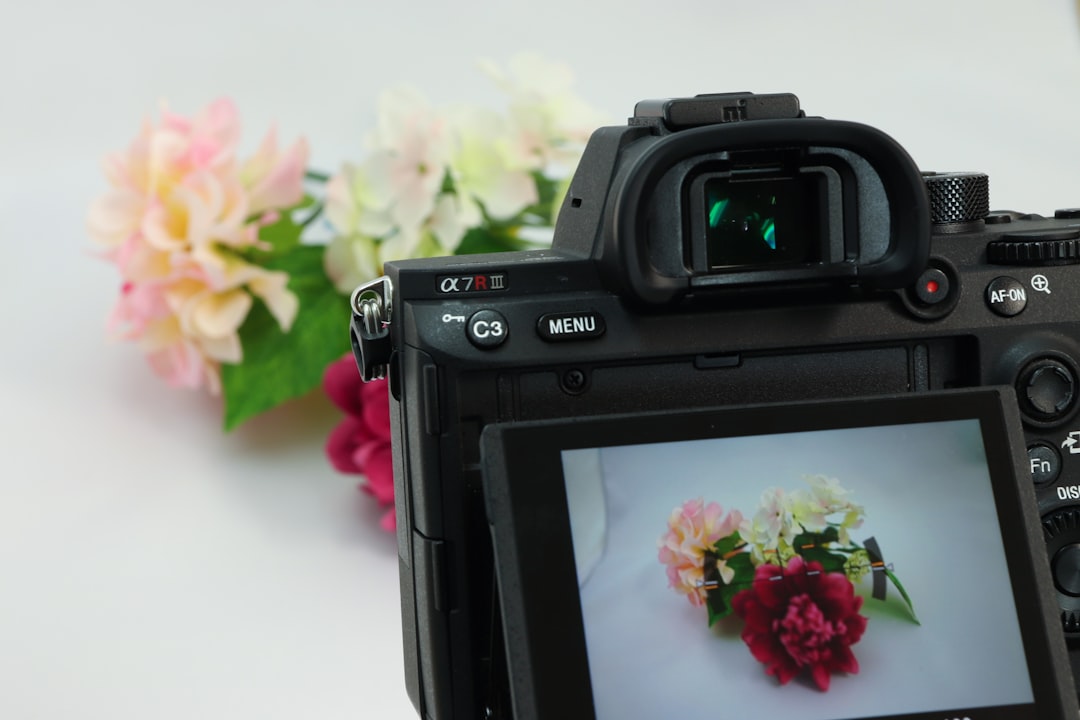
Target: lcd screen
(833, 574)
(864, 558)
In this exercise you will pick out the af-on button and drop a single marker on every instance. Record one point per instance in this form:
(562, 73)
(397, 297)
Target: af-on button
(556, 327)
(1006, 296)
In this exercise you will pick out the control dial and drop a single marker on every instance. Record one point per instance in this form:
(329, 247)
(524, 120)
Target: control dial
(1056, 246)
(1061, 530)
(958, 197)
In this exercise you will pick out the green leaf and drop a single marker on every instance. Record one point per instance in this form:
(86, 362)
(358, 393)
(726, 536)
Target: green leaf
(543, 210)
(305, 202)
(727, 544)
(744, 572)
(829, 535)
(719, 599)
(903, 593)
(830, 561)
(546, 188)
(279, 366)
(815, 547)
(483, 240)
(448, 183)
(282, 236)
(718, 609)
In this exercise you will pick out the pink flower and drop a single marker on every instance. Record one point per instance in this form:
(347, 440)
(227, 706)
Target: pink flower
(360, 444)
(801, 618)
(693, 529)
(180, 214)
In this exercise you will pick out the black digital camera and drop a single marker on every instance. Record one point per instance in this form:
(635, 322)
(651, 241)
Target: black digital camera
(736, 292)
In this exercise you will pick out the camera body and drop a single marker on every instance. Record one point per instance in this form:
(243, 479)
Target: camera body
(717, 251)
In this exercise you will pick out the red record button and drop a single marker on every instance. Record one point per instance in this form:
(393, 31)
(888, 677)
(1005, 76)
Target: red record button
(932, 286)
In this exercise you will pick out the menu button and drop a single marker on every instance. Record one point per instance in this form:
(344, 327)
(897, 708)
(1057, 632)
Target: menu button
(554, 327)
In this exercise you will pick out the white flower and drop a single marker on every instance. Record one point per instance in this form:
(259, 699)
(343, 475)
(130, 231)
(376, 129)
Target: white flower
(357, 253)
(360, 207)
(481, 169)
(410, 152)
(453, 216)
(358, 201)
(772, 530)
(808, 511)
(356, 208)
(549, 122)
(829, 497)
(827, 491)
(431, 176)
(351, 260)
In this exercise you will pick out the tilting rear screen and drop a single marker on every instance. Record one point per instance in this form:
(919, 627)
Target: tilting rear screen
(844, 573)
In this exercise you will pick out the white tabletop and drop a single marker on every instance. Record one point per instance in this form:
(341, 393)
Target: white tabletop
(152, 567)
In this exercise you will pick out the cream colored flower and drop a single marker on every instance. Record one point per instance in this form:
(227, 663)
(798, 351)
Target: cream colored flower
(225, 272)
(383, 207)
(481, 168)
(180, 210)
(727, 574)
(452, 217)
(772, 530)
(430, 176)
(409, 154)
(351, 260)
(830, 498)
(693, 529)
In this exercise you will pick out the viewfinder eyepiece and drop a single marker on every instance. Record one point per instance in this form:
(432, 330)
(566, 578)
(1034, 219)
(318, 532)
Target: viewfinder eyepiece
(761, 221)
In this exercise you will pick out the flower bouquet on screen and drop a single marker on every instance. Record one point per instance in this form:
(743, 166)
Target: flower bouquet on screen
(791, 573)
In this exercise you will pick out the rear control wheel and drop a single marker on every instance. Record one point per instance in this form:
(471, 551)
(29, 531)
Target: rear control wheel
(1061, 530)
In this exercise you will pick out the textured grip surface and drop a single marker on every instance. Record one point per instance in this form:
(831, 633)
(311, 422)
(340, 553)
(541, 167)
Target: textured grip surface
(958, 197)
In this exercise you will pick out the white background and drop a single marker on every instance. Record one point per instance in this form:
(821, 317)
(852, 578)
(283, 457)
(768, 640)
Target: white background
(151, 567)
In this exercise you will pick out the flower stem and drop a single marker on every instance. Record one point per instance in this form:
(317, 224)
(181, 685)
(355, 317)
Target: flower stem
(316, 210)
(316, 176)
(903, 593)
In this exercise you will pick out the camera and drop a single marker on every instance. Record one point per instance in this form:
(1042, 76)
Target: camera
(736, 291)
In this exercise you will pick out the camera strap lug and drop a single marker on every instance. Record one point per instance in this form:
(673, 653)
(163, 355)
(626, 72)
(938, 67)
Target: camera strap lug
(372, 305)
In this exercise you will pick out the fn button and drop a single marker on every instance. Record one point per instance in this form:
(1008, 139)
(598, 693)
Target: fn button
(1045, 463)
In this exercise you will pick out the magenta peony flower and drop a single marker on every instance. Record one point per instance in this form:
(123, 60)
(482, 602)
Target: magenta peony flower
(801, 618)
(360, 444)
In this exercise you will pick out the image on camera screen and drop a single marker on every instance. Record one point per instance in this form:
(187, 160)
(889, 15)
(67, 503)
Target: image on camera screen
(761, 221)
(842, 573)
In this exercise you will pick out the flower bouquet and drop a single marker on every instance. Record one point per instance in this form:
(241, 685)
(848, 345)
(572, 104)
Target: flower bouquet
(789, 573)
(235, 271)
